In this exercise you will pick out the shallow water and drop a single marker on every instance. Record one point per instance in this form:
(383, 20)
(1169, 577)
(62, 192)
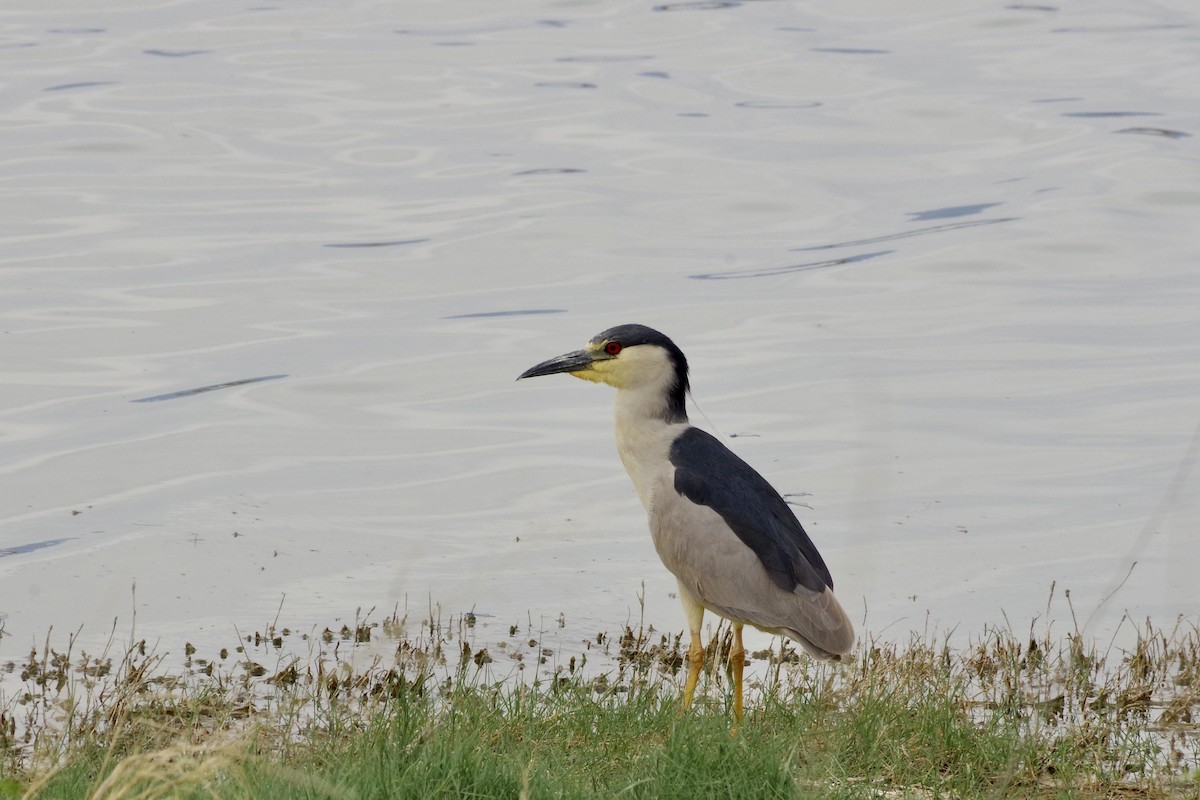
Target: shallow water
(935, 270)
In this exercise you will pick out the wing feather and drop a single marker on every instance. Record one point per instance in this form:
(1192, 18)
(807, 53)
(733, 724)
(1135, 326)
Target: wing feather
(710, 474)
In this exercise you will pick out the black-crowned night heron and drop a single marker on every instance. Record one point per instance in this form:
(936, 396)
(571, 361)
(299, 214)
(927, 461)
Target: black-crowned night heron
(732, 542)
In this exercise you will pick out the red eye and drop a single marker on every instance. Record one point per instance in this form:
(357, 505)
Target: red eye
(612, 348)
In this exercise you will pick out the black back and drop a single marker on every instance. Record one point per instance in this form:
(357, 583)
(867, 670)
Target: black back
(710, 474)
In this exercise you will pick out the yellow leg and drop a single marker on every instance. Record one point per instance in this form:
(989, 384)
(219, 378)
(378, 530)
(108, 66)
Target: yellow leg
(695, 662)
(737, 660)
(695, 617)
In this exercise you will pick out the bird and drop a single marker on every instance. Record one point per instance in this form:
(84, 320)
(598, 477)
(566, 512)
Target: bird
(732, 542)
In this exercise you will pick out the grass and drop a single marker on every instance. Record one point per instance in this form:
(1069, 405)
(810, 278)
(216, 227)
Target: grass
(1006, 715)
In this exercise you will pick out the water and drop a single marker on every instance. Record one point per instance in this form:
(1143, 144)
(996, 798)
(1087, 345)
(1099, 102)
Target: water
(934, 267)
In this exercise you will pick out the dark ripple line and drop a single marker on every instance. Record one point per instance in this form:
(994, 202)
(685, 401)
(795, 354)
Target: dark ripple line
(80, 85)
(550, 171)
(1123, 28)
(395, 243)
(1106, 114)
(950, 211)
(603, 59)
(853, 51)
(769, 104)
(176, 53)
(520, 313)
(29, 548)
(699, 5)
(766, 273)
(202, 389)
(906, 234)
(1164, 132)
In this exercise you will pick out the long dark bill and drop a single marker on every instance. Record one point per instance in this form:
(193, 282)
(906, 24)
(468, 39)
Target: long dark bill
(567, 362)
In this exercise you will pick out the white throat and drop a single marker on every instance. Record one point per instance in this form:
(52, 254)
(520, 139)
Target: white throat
(644, 438)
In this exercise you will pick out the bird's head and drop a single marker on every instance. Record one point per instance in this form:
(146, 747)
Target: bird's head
(629, 357)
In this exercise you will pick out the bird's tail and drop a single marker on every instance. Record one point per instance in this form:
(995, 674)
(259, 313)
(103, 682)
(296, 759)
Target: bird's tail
(812, 649)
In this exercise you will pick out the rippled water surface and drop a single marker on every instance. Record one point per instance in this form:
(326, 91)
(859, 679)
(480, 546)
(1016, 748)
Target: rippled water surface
(268, 273)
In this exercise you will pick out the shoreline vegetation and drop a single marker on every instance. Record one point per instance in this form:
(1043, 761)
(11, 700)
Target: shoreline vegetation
(1007, 714)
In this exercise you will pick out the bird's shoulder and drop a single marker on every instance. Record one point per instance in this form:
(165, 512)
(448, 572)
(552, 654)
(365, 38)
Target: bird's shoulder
(710, 474)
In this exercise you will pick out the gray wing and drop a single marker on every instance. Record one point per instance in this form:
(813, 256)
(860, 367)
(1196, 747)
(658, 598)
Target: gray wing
(709, 474)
